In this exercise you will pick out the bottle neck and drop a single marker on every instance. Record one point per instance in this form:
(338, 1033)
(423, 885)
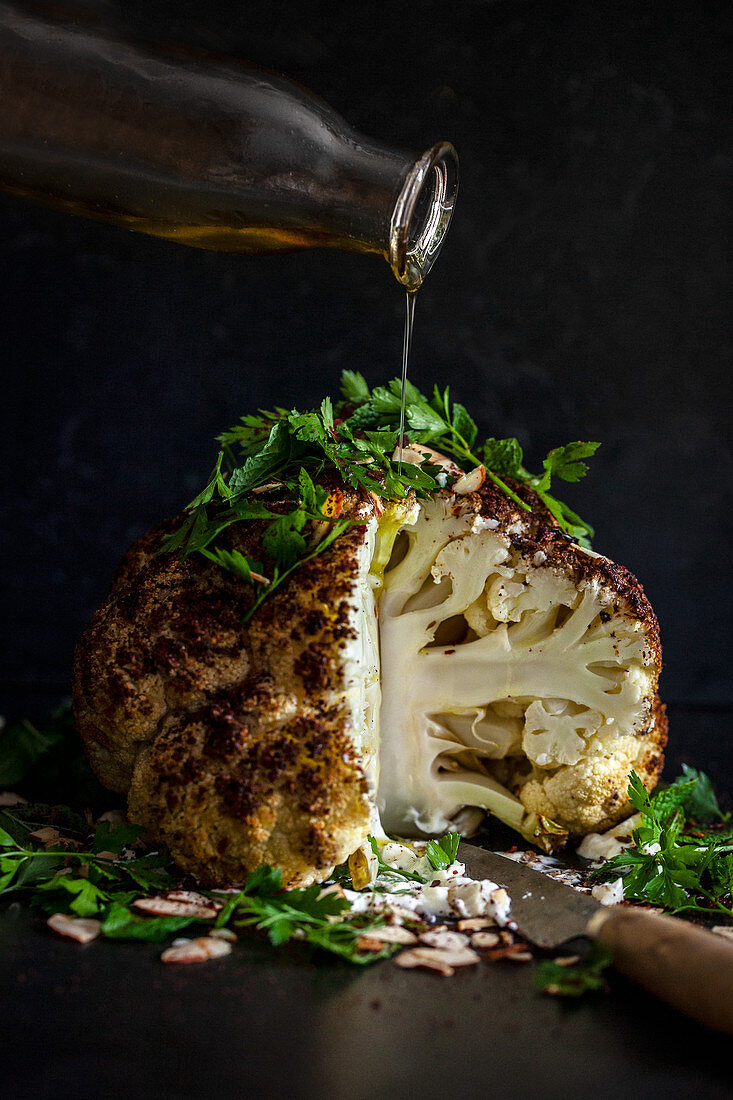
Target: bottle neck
(206, 152)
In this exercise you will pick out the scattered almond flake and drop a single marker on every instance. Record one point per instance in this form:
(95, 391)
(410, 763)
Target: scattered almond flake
(378, 504)
(10, 798)
(47, 835)
(471, 481)
(369, 943)
(520, 957)
(566, 960)
(192, 898)
(723, 930)
(224, 934)
(442, 938)
(81, 929)
(113, 818)
(475, 924)
(198, 950)
(451, 956)
(393, 933)
(427, 960)
(510, 950)
(484, 939)
(334, 888)
(111, 856)
(165, 907)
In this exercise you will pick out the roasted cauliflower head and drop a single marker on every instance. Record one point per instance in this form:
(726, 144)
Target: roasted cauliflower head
(442, 658)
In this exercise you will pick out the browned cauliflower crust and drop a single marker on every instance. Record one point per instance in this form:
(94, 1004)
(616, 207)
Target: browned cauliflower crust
(237, 743)
(518, 674)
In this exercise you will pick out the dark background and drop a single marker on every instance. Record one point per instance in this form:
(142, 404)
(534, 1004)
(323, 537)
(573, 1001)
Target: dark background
(581, 293)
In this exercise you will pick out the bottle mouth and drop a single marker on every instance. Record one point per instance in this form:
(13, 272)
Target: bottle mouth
(422, 214)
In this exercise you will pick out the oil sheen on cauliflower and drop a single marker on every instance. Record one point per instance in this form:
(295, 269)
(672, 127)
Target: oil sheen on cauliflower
(518, 676)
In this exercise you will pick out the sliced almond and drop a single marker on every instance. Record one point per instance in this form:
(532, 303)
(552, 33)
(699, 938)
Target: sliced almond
(471, 481)
(192, 898)
(369, 943)
(509, 951)
(268, 487)
(224, 934)
(47, 835)
(417, 453)
(10, 798)
(484, 939)
(378, 504)
(506, 937)
(113, 817)
(441, 959)
(566, 960)
(393, 933)
(81, 929)
(451, 941)
(198, 950)
(475, 924)
(408, 960)
(165, 907)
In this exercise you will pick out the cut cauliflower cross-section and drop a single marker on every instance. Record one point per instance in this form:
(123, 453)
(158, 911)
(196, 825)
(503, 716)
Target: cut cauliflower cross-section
(442, 658)
(519, 675)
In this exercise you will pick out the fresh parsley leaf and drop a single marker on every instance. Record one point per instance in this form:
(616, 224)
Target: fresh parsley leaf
(503, 456)
(121, 923)
(585, 976)
(355, 441)
(354, 388)
(702, 803)
(443, 852)
(673, 864)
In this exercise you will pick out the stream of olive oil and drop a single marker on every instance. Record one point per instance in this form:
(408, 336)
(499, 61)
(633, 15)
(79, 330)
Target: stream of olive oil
(406, 341)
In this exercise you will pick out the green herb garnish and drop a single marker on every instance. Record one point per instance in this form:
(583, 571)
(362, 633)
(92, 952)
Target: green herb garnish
(291, 452)
(313, 915)
(584, 976)
(677, 862)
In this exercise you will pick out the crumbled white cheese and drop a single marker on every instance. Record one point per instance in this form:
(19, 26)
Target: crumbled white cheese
(609, 893)
(447, 893)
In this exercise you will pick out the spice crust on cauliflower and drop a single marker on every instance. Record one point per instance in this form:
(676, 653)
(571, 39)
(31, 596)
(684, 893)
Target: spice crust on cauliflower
(518, 675)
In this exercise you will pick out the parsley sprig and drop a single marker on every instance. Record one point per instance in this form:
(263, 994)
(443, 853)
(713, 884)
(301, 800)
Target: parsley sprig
(587, 975)
(440, 854)
(681, 860)
(290, 453)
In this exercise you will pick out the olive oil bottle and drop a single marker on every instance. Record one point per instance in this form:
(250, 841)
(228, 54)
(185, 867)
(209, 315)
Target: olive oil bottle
(206, 151)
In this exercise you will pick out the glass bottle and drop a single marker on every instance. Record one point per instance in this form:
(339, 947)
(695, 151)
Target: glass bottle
(211, 153)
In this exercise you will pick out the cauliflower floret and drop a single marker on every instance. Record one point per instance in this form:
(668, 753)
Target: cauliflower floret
(518, 676)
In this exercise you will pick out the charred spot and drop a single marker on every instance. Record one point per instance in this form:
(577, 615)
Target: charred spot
(242, 797)
(605, 617)
(313, 666)
(226, 733)
(168, 652)
(314, 621)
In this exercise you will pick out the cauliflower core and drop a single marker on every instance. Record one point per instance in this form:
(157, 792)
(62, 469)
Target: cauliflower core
(509, 681)
(442, 658)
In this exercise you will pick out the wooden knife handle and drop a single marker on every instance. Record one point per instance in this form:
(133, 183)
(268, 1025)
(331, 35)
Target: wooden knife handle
(686, 966)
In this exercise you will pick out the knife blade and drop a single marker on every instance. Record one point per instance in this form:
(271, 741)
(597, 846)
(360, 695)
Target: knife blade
(680, 963)
(546, 912)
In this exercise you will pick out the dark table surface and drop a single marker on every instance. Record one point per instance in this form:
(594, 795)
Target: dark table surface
(109, 1019)
(579, 295)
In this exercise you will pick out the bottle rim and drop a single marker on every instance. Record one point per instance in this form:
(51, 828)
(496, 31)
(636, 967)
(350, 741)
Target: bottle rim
(422, 214)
